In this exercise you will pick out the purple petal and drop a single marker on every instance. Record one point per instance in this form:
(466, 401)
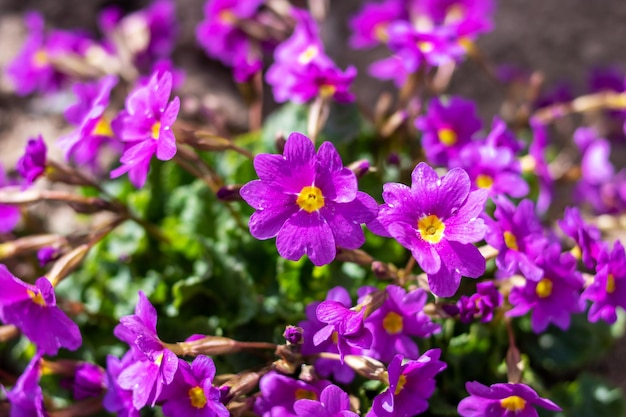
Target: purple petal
(335, 399)
(465, 258)
(307, 233)
(444, 282)
(265, 224)
(310, 408)
(347, 233)
(339, 184)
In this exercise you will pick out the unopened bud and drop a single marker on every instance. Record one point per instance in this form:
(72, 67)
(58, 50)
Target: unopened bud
(280, 142)
(293, 335)
(360, 167)
(229, 193)
(384, 271)
(243, 383)
(209, 345)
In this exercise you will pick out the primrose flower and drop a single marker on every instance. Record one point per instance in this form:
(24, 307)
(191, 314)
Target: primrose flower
(26, 397)
(555, 297)
(586, 236)
(326, 367)
(410, 386)
(33, 309)
(33, 163)
(191, 393)
(502, 400)
(280, 392)
(146, 127)
(482, 304)
(437, 219)
(370, 26)
(154, 366)
(308, 201)
(9, 215)
(333, 402)
(608, 289)
(302, 71)
(93, 126)
(446, 128)
(518, 236)
(395, 324)
(118, 400)
(89, 381)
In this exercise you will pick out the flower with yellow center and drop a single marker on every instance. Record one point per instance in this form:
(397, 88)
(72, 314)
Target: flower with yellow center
(197, 397)
(381, 33)
(103, 127)
(544, 288)
(37, 298)
(610, 284)
(510, 240)
(393, 323)
(302, 393)
(484, 181)
(400, 385)
(327, 90)
(431, 228)
(156, 130)
(308, 55)
(513, 403)
(310, 199)
(227, 17)
(40, 59)
(447, 136)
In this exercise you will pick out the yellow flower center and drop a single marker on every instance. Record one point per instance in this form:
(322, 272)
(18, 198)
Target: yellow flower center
(156, 130)
(484, 181)
(302, 393)
(197, 397)
(310, 199)
(327, 90)
(40, 58)
(392, 323)
(544, 288)
(610, 284)
(226, 16)
(334, 337)
(400, 386)
(308, 55)
(37, 298)
(159, 359)
(510, 240)
(431, 228)
(103, 127)
(576, 252)
(447, 136)
(455, 13)
(513, 403)
(425, 46)
(380, 32)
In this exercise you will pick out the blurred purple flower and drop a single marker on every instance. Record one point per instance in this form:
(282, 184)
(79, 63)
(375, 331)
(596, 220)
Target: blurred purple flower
(587, 237)
(502, 400)
(89, 381)
(26, 397)
(33, 309)
(370, 26)
(438, 220)
(279, 394)
(118, 400)
(32, 164)
(308, 200)
(9, 215)
(333, 402)
(481, 305)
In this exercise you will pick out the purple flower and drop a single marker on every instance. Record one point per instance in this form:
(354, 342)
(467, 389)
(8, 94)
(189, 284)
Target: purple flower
(159, 20)
(327, 367)
(502, 400)
(192, 393)
(146, 127)
(154, 366)
(537, 150)
(410, 386)
(279, 393)
(397, 322)
(480, 305)
(33, 163)
(32, 308)
(608, 289)
(118, 400)
(47, 254)
(518, 236)
(333, 402)
(89, 381)
(437, 219)
(301, 69)
(587, 237)
(309, 201)
(370, 26)
(9, 215)
(93, 126)
(26, 397)
(555, 297)
(446, 128)
(343, 324)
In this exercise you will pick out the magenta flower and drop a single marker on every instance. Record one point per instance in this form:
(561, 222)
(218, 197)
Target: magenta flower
(502, 400)
(154, 365)
(192, 393)
(446, 128)
(481, 305)
(146, 127)
(302, 71)
(26, 397)
(518, 236)
(118, 400)
(396, 323)
(9, 215)
(555, 297)
(608, 289)
(333, 402)
(370, 26)
(279, 394)
(537, 150)
(309, 201)
(93, 127)
(438, 220)
(32, 164)
(327, 367)
(586, 236)
(410, 386)
(89, 381)
(343, 324)
(33, 309)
